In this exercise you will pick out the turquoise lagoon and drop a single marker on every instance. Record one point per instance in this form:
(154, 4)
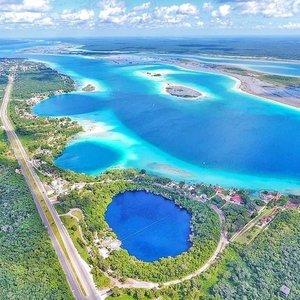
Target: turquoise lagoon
(228, 137)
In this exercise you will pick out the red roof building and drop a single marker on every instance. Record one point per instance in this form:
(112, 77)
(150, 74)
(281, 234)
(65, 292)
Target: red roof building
(236, 199)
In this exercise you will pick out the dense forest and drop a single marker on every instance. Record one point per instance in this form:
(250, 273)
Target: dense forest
(267, 264)
(251, 272)
(36, 78)
(29, 268)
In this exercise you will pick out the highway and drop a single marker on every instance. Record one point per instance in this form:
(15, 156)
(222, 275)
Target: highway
(78, 276)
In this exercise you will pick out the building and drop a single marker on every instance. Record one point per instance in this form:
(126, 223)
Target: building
(285, 291)
(236, 199)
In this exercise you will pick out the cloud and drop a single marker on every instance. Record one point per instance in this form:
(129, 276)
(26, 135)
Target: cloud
(25, 13)
(222, 23)
(290, 25)
(47, 21)
(174, 14)
(200, 24)
(115, 12)
(20, 17)
(222, 11)
(112, 11)
(207, 6)
(26, 6)
(216, 13)
(142, 7)
(270, 8)
(77, 17)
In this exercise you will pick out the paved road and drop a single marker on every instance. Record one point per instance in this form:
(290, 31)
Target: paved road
(248, 226)
(75, 269)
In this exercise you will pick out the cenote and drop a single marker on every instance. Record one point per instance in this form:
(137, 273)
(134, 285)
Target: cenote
(149, 226)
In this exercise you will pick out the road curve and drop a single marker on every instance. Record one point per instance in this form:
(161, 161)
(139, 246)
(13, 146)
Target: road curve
(78, 276)
(132, 283)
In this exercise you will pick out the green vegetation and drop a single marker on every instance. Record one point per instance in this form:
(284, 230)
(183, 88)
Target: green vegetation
(93, 201)
(253, 271)
(73, 228)
(44, 138)
(235, 70)
(3, 83)
(36, 78)
(29, 266)
(249, 235)
(236, 216)
(284, 81)
(121, 297)
(253, 267)
(265, 265)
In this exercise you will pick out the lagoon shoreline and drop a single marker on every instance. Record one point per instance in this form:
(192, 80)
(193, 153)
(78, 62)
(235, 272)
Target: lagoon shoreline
(197, 173)
(250, 82)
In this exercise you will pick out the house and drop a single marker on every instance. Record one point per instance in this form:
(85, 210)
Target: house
(185, 186)
(270, 196)
(203, 197)
(218, 190)
(236, 199)
(265, 220)
(285, 291)
(191, 188)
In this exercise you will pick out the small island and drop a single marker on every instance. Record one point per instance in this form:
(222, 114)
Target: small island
(153, 74)
(182, 91)
(89, 88)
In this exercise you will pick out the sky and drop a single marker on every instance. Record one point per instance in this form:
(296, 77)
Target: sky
(97, 18)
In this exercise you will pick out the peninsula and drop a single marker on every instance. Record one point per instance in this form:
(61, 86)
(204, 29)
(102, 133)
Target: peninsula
(278, 88)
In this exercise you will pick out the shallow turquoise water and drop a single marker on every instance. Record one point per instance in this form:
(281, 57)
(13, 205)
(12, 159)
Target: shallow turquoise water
(229, 137)
(149, 226)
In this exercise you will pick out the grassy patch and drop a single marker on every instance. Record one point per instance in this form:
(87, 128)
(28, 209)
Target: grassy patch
(236, 70)
(78, 214)
(122, 297)
(281, 80)
(73, 229)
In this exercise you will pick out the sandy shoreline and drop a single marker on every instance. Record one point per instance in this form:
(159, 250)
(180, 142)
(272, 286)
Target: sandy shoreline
(249, 82)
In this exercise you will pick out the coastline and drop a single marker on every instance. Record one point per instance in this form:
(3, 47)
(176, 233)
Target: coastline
(249, 83)
(255, 87)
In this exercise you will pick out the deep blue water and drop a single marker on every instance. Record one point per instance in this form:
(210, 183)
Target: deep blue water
(149, 226)
(87, 157)
(72, 103)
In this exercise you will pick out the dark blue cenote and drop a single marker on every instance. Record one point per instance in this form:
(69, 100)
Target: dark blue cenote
(149, 226)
